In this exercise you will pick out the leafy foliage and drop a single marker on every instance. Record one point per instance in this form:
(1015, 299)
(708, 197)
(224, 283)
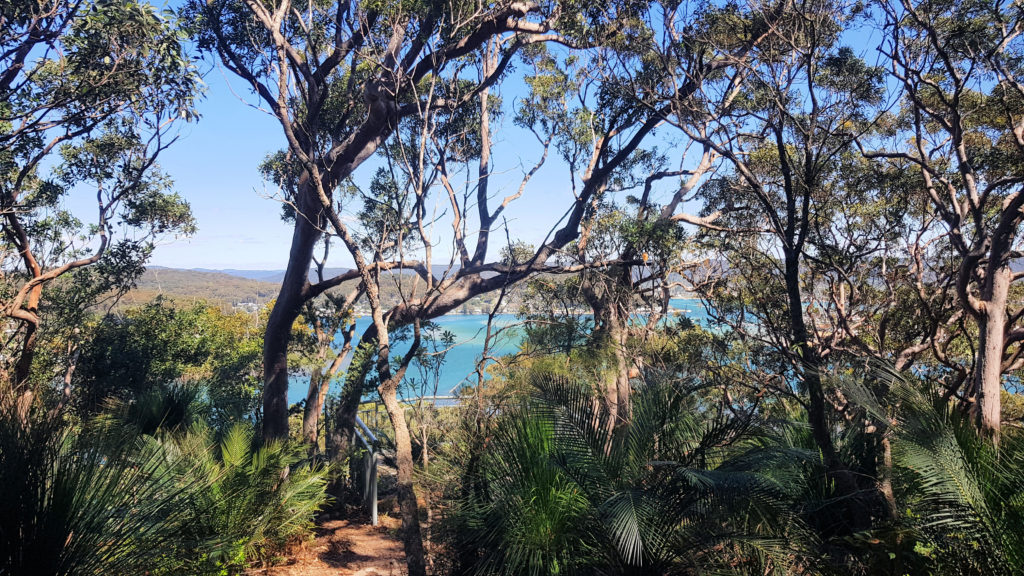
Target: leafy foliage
(561, 492)
(961, 493)
(85, 502)
(259, 498)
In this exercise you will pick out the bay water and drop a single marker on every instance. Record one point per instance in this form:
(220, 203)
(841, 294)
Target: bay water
(460, 360)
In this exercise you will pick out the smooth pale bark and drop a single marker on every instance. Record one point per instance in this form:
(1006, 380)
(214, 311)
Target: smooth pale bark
(885, 479)
(286, 309)
(412, 537)
(351, 394)
(992, 321)
(319, 383)
(69, 373)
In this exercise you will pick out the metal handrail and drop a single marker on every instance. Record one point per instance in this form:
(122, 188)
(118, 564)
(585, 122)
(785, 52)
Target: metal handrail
(366, 430)
(371, 460)
(370, 463)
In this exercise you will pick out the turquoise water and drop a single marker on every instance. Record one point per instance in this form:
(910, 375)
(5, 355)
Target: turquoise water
(469, 331)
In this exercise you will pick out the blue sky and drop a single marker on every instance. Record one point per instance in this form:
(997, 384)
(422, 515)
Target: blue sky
(214, 166)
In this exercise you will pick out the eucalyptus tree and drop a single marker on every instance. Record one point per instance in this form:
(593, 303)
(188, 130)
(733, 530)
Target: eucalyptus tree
(961, 131)
(630, 251)
(782, 124)
(90, 93)
(416, 87)
(325, 318)
(342, 78)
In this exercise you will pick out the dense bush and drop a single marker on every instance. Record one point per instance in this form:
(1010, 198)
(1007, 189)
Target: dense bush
(675, 490)
(962, 496)
(126, 356)
(257, 498)
(135, 491)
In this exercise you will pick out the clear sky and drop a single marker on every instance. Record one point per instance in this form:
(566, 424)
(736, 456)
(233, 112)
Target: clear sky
(214, 166)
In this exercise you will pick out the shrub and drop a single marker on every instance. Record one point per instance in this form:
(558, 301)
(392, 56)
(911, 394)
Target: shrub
(258, 498)
(87, 501)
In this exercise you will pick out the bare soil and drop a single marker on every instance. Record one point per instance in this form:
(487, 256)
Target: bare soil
(347, 548)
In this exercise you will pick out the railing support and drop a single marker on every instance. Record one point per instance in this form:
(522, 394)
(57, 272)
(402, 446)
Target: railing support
(370, 462)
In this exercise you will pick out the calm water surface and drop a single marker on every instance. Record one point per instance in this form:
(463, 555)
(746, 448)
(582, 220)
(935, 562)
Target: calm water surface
(470, 331)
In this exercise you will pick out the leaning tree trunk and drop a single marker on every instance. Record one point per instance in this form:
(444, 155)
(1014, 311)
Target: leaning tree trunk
(315, 396)
(988, 370)
(286, 309)
(319, 383)
(856, 515)
(347, 407)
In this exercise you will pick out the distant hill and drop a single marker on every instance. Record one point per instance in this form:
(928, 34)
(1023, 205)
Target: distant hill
(262, 275)
(277, 276)
(214, 287)
(234, 288)
(273, 276)
(227, 288)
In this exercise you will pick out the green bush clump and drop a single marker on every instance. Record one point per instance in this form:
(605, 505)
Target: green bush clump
(256, 499)
(108, 498)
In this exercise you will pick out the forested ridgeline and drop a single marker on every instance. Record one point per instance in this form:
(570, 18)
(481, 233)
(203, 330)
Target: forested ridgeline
(835, 186)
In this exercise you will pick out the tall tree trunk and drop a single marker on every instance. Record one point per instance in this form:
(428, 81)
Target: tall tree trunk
(810, 363)
(885, 478)
(855, 514)
(617, 337)
(286, 309)
(344, 418)
(412, 538)
(319, 383)
(609, 333)
(988, 370)
(603, 332)
(425, 462)
(24, 393)
(314, 404)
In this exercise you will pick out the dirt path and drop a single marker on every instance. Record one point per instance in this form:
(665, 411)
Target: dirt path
(344, 548)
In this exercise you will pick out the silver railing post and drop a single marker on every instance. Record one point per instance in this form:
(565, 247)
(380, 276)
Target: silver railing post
(370, 443)
(373, 489)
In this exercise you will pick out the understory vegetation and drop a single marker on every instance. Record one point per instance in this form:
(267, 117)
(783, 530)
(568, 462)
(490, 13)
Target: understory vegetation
(146, 487)
(691, 484)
